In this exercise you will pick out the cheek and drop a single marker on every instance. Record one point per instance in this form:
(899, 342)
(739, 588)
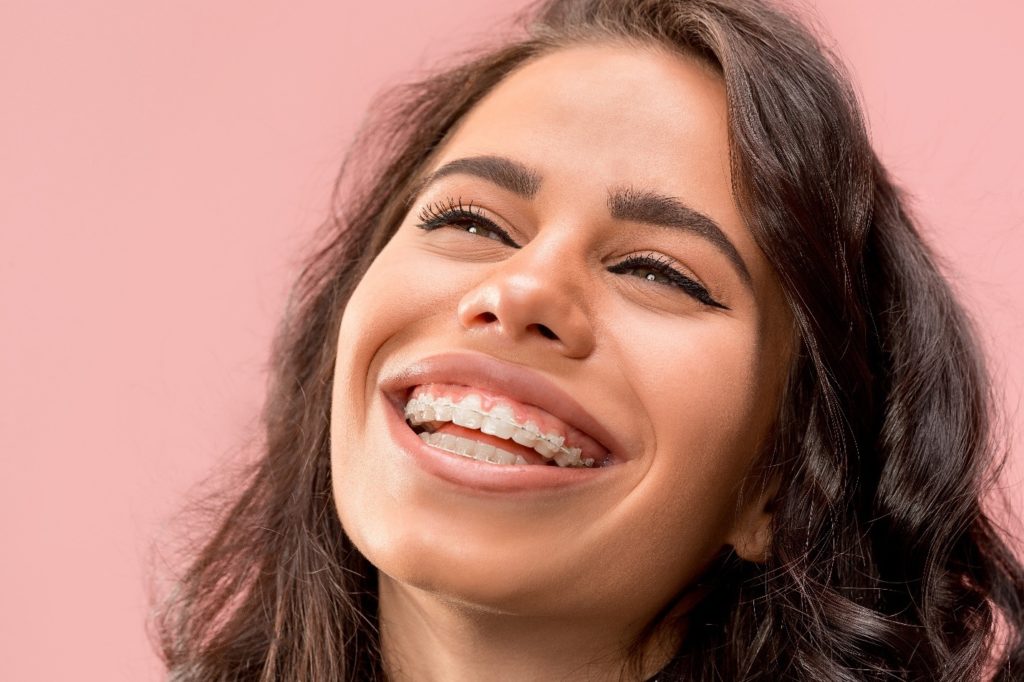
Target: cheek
(378, 305)
(704, 396)
(374, 315)
(403, 286)
(698, 381)
(388, 301)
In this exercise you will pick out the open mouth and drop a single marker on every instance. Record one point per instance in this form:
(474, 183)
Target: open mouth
(488, 427)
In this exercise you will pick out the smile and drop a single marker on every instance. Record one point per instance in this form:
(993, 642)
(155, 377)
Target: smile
(447, 411)
(518, 433)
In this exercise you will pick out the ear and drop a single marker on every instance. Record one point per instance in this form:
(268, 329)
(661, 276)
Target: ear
(751, 534)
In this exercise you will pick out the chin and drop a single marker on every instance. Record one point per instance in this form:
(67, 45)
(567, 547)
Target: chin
(475, 578)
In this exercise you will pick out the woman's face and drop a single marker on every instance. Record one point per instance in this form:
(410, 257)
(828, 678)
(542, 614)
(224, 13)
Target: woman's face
(575, 259)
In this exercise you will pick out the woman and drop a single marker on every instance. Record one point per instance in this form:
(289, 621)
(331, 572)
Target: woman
(622, 360)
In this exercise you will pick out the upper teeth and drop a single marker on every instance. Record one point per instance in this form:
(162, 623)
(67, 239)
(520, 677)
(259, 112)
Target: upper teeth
(499, 421)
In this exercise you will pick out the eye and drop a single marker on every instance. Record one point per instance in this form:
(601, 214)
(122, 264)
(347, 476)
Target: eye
(466, 218)
(659, 270)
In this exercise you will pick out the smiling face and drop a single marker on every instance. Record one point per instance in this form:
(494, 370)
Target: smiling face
(575, 257)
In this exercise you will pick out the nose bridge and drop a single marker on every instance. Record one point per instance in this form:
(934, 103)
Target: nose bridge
(548, 261)
(534, 295)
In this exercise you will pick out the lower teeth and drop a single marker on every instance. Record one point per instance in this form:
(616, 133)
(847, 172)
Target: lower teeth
(471, 449)
(484, 452)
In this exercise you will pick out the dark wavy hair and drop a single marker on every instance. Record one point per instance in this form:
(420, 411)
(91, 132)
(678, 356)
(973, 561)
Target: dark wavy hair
(883, 563)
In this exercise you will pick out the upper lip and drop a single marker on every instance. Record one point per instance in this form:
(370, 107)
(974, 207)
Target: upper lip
(513, 380)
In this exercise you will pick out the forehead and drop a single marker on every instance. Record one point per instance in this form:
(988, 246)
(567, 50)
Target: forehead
(614, 113)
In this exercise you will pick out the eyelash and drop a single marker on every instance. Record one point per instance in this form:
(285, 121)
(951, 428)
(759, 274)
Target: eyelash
(663, 265)
(453, 213)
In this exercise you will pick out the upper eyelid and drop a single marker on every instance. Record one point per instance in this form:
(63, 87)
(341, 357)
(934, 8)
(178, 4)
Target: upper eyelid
(458, 205)
(673, 263)
(449, 205)
(664, 263)
(661, 262)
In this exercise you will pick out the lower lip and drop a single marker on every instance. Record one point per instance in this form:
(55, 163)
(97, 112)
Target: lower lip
(484, 476)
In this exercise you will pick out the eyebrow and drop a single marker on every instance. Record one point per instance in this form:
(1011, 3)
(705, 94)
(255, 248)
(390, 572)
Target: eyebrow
(650, 208)
(503, 172)
(640, 206)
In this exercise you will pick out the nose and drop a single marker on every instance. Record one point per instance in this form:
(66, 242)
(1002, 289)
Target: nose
(530, 300)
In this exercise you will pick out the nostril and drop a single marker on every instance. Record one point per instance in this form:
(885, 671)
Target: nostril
(546, 332)
(488, 317)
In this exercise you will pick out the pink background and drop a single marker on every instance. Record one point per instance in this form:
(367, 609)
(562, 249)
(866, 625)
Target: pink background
(161, 166)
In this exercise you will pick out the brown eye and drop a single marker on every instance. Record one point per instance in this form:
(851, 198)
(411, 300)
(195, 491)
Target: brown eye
(481, 230)
(659, 271)
(465, 218)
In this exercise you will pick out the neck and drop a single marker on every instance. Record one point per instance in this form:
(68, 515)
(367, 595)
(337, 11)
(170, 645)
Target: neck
(426, 639)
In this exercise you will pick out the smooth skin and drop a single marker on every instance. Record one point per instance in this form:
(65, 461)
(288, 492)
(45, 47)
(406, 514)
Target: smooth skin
(555, 586)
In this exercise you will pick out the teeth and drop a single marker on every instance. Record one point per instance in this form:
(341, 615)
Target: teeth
(545, 448)
(443, 411)
(471, 448)
(411, 408)
(569, 457)
(464, 447)
(503, 457)
(485, 452)
(562, 459)
(468, 418)
(497, 427)
(524, 437)
(556, 441)
(500, 422)
(468, 413)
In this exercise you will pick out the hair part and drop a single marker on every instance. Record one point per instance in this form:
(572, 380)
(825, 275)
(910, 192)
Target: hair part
(883, 563)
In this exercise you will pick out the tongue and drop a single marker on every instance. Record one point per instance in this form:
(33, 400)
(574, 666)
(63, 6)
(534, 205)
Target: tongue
(529, 454)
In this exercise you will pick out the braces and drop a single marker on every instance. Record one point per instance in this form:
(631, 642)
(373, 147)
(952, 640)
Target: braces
(414, 406)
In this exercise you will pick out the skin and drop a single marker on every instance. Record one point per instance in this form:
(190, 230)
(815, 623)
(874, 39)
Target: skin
(555, 586)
